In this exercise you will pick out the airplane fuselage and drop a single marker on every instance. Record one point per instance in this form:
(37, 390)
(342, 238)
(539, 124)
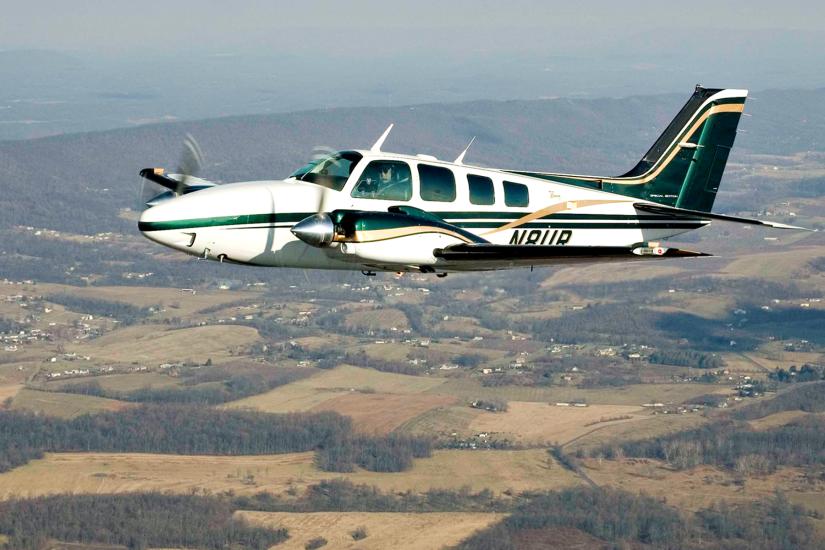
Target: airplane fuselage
(251, 222)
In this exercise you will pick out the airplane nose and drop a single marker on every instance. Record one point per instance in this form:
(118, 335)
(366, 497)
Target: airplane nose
(163, 225)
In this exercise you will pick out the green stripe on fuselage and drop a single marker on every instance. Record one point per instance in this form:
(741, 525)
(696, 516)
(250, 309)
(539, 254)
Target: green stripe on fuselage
(468, 220)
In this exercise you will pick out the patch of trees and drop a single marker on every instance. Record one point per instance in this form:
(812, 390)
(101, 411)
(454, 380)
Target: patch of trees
(169, 429)
(807, 397)
(340, 495)
(806, 373)
(137, 521)
(771, 523)
(818, 264)
(361, 359)
(611, 515)
(9, 326)
(207, 386)
(686, 358)
(734, 446)
(127, 314)
(391, 453)
(625, 520)
(178, 429)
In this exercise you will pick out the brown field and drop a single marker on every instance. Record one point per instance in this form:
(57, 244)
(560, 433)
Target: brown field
(132, 381)
(289, 398)
(442, 421)
(378, 319)
(598, 274)
(384, 529)
(176, 302)
(159, 344)
(311, 392)
(541, 424)
(63, 405)
(620, 432)
(133, 472)
(701, 486)
(781, 266)
(10, 391)
(381, 413)
(470, 389)
(777, 419)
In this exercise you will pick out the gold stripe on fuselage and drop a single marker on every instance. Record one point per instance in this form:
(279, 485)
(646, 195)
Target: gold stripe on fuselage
(553, 209)
(386, 234)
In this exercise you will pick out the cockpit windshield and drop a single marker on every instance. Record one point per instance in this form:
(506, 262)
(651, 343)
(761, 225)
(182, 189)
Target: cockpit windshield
(331, 171)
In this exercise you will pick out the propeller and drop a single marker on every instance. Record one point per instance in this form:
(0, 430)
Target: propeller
(191, 161)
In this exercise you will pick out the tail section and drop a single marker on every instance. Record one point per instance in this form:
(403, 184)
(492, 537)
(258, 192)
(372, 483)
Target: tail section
(684, 166)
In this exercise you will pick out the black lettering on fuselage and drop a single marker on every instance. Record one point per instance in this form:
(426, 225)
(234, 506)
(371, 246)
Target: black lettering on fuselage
(549, 237)
(533, 237)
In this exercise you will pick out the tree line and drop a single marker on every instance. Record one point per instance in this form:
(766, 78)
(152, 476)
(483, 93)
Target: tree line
(190, 430)
(733, 446)
(125, 313)
(137, 521)
(686, 358)
(625, 520)
(205, 386)
(805, 397)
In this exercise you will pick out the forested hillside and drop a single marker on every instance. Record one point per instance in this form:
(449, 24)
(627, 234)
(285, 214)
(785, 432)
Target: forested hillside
(79, 182)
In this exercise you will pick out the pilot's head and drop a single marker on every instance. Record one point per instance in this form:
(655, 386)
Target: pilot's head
(386, 173)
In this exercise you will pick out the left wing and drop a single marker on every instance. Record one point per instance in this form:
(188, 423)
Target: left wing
(492, 256)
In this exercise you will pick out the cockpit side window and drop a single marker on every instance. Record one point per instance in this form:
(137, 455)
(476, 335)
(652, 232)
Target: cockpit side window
(437, 183)
(388, 180)
(331, 171)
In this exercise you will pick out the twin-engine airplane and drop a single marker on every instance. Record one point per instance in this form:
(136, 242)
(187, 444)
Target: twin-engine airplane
(377, 211)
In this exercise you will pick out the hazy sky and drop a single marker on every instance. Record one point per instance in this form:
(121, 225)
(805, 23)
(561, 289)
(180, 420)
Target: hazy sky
(125, 62)
(118, 25)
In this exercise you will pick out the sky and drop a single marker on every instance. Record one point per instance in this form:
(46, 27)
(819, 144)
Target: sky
(83, 65)
(117, 26)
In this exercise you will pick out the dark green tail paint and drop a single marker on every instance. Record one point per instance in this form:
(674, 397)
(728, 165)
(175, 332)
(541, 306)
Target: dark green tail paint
(684, 166)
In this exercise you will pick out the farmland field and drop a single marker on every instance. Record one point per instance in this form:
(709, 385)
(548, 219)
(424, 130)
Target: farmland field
(633, 395)
(384, 530)
(130, 472)
(312, 392)
(159, 344)
(63, 405)
(381, 413)
(543, 424)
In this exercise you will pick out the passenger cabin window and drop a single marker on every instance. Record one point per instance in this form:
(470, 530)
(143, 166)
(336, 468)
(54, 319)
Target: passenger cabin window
(516, 194)
(387, 180)
(437, 183)
(481, 190)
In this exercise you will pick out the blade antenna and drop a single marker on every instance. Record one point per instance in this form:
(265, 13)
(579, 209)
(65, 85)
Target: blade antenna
(376, 147)
(460, 158)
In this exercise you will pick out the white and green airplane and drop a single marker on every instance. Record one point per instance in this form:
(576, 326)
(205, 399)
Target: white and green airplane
(370, 210)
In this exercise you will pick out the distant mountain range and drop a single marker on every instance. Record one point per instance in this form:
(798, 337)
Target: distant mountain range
(79, 182)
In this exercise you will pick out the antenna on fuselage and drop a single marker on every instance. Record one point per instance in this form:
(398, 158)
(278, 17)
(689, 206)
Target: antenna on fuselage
(376, 147)
(460, 158)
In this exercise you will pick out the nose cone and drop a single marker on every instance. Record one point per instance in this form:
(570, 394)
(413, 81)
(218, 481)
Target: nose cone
(164, 224)
(316, 230)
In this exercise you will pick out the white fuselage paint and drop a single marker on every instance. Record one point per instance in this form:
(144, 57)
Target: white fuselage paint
(250, 222)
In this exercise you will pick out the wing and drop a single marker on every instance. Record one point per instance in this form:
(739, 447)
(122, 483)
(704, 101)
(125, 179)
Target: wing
(472, 257)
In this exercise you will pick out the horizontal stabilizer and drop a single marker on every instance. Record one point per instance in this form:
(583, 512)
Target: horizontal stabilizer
(683, 212)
